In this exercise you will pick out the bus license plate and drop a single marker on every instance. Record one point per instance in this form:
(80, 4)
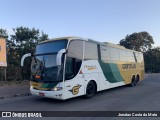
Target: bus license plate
(41, 94)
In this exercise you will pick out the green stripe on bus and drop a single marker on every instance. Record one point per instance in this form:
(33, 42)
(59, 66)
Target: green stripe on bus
(52, 85)
(44, 85)
(111, 72)
(115, 71)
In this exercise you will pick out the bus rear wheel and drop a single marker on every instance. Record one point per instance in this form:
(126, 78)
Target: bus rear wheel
(134, 82)
(137, 79)
(91, 90)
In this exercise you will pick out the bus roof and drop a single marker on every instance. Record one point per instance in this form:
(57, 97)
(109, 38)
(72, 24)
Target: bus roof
(67, 38)
(89, 40)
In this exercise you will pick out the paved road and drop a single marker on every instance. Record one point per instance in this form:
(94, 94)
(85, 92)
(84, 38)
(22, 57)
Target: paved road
(144, 97)
(10, 91)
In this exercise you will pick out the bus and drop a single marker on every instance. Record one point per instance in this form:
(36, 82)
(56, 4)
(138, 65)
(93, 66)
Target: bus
(68, 67)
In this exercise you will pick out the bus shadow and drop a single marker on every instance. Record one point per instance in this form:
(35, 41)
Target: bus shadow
(56, 101)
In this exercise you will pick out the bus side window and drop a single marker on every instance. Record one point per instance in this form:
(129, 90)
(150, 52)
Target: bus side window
(123, 55)
(135, 57)
(99, 52)
(73, 59)
(105, 53)
(140, 57)
(91, 51)
(114, 54)
(130, 56)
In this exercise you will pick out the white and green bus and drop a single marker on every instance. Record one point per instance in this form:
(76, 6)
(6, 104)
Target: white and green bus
(68, 67)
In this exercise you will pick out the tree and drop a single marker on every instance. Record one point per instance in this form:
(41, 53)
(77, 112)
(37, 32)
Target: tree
(23, 41)
(152, 60)
(141, 41)
(43, 37)
(26, 39)
(3, 33)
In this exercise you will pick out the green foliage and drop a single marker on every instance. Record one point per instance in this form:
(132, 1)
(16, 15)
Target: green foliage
(23, 41)
(3, 33)
(152, 60)
(141, 41)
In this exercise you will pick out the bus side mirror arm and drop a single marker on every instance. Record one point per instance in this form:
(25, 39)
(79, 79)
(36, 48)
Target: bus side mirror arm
(66, 51)
(59, 56)
(24, 57)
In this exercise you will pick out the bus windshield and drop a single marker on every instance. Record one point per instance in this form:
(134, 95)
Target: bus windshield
(44, 67)
(51, 47)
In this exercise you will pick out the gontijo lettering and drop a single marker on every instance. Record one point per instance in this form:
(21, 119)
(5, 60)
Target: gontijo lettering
(128, 66)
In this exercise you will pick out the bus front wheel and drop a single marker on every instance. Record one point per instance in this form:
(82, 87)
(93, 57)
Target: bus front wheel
(91, 90)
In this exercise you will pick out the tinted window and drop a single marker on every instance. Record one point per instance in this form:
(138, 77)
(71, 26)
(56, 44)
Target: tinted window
(105, 53)
(135, 57)
(114, 54)
(91, 52)
(73, 59)
(139, 57)
(130, 56)
(123, 55)
(45, 66)
(51, 47)
(99, 52)
(75, 49)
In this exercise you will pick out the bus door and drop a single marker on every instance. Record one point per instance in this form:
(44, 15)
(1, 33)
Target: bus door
(75, 86)
(74, 79)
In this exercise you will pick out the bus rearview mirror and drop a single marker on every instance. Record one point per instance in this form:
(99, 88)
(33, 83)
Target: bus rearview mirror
(24, 57)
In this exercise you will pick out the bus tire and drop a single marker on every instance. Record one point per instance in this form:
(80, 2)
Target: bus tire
(133, 83)
(90, 90)
(137, 79)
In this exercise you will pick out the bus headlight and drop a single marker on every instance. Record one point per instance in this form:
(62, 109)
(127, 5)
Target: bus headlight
(57, 88)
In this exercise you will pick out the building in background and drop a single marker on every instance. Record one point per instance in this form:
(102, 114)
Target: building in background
(3, 58)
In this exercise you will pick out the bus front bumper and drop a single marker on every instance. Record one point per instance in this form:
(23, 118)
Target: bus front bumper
(48, 94)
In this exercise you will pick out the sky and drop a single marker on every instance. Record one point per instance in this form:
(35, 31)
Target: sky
(100, 20)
